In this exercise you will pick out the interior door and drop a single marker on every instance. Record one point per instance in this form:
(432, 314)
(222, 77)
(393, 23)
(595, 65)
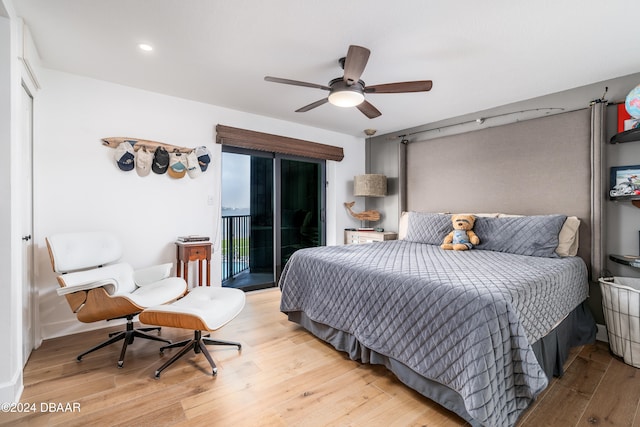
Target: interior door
(26, 146)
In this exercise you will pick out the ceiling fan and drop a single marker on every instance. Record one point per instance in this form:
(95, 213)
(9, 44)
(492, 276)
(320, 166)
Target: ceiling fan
(349, 90)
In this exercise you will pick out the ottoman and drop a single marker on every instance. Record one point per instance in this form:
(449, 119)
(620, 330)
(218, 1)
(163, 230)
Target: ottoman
(202, 309)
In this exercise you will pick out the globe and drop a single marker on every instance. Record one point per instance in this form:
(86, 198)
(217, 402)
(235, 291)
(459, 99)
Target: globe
(632, 103)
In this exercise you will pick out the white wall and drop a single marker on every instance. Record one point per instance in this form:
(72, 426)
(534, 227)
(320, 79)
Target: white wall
(79, 187)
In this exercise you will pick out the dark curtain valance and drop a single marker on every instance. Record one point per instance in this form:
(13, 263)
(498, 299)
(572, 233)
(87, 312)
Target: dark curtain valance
(252, 140)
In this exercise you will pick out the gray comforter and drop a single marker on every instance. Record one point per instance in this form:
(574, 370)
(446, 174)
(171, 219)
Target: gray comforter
(463, 319)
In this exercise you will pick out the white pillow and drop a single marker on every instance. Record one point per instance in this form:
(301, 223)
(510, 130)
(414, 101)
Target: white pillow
(403, 225)
(568, 239)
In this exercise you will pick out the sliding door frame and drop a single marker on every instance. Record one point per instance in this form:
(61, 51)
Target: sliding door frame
(277, 198)
(277, 223)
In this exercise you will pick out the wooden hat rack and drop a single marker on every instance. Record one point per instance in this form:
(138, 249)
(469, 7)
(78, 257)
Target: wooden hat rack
(113, 142)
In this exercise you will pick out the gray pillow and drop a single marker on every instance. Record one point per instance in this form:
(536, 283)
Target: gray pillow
(527, 235)
(430, 228)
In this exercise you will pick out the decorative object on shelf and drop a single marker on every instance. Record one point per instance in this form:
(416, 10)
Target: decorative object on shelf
(370, 215)
(144, 159)
(204, 157)
(193, 238)
(146, 156)
(177, 165)
(124, 156)
(623, 115)
(632, 102)
(193, 166)
(624, 182)
(160, 161)
(367, 185)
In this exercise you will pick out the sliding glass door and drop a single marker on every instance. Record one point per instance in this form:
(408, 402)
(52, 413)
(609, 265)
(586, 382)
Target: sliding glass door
(272, 205)
(247, 220)
(301, 206)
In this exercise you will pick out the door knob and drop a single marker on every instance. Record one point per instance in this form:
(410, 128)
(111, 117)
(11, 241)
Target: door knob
(26, 238)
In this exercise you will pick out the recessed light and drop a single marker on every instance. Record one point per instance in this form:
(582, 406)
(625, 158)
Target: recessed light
(145, 47)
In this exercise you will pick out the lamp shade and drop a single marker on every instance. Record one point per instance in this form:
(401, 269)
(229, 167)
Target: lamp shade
(370, 185)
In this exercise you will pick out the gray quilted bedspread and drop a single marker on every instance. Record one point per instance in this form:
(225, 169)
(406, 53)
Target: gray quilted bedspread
(464, 319)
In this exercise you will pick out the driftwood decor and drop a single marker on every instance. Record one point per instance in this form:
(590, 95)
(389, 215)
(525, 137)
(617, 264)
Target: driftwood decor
(370, 215)
(113, 142)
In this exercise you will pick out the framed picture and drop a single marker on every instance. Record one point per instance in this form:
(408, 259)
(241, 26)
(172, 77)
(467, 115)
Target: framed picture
(624, 182)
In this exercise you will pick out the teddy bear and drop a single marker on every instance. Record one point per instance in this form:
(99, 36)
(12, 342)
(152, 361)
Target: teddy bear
(462, 237)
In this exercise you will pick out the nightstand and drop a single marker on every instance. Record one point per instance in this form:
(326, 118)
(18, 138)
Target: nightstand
(352, 237)
(200, 252)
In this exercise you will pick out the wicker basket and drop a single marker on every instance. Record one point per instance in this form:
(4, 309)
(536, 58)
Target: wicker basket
(621, 306)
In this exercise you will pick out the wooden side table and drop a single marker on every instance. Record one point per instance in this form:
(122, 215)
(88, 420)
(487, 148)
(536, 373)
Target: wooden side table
(199, 251)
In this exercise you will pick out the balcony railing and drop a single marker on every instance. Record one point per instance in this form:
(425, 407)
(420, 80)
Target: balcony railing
(235, 245)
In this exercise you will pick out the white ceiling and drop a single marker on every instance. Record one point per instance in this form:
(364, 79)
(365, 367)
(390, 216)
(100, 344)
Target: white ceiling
(479, 54)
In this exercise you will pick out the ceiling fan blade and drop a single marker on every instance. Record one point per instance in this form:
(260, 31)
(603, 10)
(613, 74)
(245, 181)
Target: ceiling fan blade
(312, 105)
(402, 87)
(295, 83)
(354, 63)
(368, 110)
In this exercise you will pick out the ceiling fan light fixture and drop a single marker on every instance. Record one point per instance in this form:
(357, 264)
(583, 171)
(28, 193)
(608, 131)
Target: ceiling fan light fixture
(346, 98)
(348, 90)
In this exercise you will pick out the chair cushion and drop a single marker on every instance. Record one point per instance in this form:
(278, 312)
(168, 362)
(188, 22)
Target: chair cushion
(152, 274)
(214, 306)
(160, 292)
(77, 251)
(116, 278)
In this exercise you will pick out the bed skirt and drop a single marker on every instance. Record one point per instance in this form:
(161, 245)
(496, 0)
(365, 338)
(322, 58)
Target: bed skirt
(578, 328)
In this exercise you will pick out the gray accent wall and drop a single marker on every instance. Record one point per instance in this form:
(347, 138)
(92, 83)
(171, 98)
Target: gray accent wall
(622, 223)
(386, 157)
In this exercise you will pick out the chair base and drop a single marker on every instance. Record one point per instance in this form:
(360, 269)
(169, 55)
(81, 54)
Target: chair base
(127, 335)
(198, 344)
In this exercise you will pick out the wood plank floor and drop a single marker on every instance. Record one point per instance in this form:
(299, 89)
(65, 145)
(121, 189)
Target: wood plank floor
(282, 377)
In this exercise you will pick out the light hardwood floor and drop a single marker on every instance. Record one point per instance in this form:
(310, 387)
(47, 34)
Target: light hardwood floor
(283, 377)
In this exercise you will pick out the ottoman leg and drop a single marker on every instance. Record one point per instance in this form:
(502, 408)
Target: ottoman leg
(175, 344)
(203, 349)
(198, 344)
(190, 344)
(210, 341)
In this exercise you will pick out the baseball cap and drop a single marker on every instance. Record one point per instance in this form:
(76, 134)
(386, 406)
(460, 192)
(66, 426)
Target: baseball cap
(193, 167)
(144, 159)
(204, 157)
(177, 165)
(124, 156)
(160, 161)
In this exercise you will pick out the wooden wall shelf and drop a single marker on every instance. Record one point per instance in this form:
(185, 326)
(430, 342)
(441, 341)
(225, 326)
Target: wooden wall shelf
(113, 142)
(630, 135)
(630, 260)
